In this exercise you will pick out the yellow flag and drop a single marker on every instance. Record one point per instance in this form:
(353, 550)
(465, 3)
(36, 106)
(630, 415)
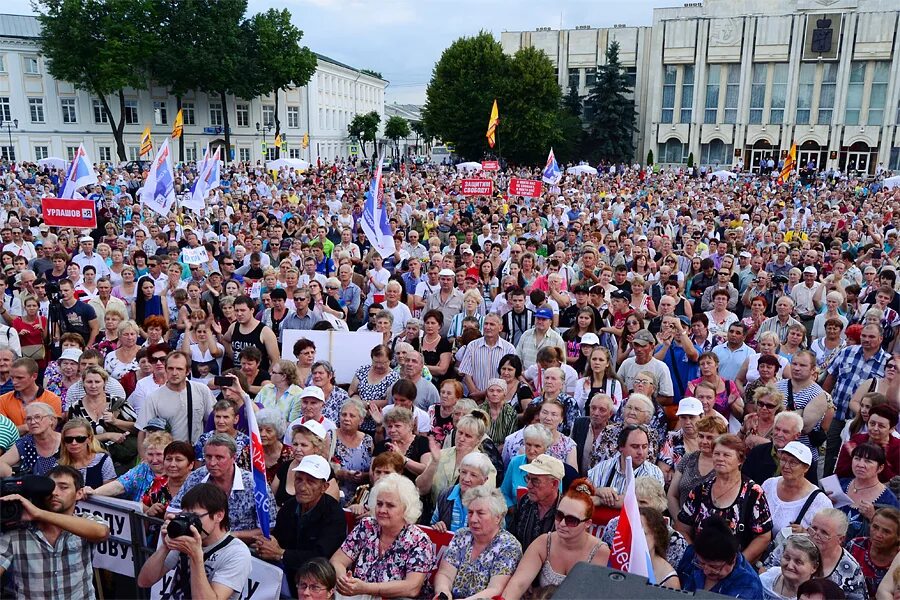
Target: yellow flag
(178, 125)
(790, 163)
(305, 140)
(146, 141)
(278, 141)
(492, 125)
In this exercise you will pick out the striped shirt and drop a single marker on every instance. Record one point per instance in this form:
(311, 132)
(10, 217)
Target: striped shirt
(9, 433)
(482, 361)
(773, 324)
(609, 473)
(850, 368)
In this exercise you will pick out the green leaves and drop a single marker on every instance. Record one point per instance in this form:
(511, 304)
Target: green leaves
(396, 127)
(364, 128)
(612, 128)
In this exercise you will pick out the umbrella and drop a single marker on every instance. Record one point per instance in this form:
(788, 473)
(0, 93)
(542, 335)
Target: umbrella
(294, 163)
(582, 170)
(891, 182)
(468, 166)
(723, 175)
(53, 162)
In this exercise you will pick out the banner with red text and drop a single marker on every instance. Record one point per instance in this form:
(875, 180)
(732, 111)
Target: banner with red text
(68, 212)
(490, 165)
(477, 187)
(530, 188)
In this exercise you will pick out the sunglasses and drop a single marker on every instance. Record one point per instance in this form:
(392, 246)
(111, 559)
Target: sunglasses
(156, 359)
(569, 520)
(766, 405)
(73, 439)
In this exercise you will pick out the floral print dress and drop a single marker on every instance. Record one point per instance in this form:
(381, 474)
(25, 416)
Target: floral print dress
(700, 505)
(353, 459)
(500, 557)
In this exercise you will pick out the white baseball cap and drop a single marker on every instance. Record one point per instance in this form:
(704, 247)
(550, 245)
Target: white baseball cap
(689, 406)
(446, 273)
(313, 391)
(800, 451)
(590, 339)
(314, 427)
(314, 465)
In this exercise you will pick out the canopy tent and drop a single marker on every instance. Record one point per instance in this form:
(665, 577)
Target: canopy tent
(294, 163)
(53, 162)
(581, 170)
(723, 175)
(468, 166)
(891, 182)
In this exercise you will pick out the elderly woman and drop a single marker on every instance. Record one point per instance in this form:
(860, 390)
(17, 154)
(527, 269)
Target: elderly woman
(37, 451)
(792, 499)
(271, 431)
(305, 353)
(728, 396)
(503, 415)
(133, 484)
(735, 498)
(443, 469)
(637, 410)
(800, 562)
(552, 555)
(879, 429)
(441, 414)
(353, 449)
(865, 489)
(758, 426)
(156, 328)
(386, 553)
(282, 393)
(553, 390)
(647, 383)
(769, 345)
(472, 299)
(179, 461)
(124, 358)
(695, 467)
(384, 323)
(371, 382)
(683, 440)
(107, 340)
(323, 377)
(81, 450)
(449, 512)
(482, 556)
(537, 438)
(401, 437)
(833, 301)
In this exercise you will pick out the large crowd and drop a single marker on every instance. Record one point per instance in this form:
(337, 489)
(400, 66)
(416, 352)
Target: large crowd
(731, 341)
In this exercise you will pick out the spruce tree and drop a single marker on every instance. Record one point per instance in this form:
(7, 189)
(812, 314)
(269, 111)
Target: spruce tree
(612, 127)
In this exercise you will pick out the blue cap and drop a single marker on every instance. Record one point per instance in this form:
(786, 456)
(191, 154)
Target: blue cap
(543, 313)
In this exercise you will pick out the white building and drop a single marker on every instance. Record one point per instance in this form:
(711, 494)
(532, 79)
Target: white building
(54, 118)
(729, 81)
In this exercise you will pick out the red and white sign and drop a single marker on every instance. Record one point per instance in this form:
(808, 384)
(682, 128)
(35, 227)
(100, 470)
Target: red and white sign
(530, 188)
(68, 212)
(477, 187)
(490, 165)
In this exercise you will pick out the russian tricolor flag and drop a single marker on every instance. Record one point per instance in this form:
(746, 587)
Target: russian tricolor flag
(629, 551)
(258, 459)
(81, 173)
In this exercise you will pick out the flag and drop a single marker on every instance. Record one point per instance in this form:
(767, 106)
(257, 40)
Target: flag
(790, 163)
(277, 142)
(146, 141)
(629, 550)
(258, 460)
(551, 173)
(208, 176)
(81, 173)
(158, 192)
(305, 141)
(375, 220)
(492, 125)
(178, 125)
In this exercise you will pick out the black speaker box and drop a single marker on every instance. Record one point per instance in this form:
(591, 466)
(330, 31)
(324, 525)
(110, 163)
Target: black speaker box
(588, 582)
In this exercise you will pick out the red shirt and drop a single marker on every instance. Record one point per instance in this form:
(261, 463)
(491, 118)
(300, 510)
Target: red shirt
(892, 454)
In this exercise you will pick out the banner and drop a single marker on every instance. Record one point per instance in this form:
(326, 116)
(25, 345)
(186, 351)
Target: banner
(68, 212)
(208, 176)
(146, 142)
(529, 188)
(490, 165)
(81, 173)
(551, 173)
(264, 583)
(374, 218)
(477, 187)
(178, 125)
(629, 551)
(194, 256)
(158, 192)
(114, 554)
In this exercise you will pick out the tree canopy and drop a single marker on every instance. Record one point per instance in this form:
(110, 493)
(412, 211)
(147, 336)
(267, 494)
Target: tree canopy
(396, 128)
(364, 128)
(612, 128)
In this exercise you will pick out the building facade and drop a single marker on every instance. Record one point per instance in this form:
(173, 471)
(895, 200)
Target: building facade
(54, 117)
(735, 82)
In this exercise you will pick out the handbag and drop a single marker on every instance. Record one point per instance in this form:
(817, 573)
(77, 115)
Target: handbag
(35, 352)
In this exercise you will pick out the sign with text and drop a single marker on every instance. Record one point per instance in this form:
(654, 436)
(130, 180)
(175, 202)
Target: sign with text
(477, 187)
(490, 165)
(114, 554)
(194, 256)
(264, 583)
(68, 212)
(530, 188)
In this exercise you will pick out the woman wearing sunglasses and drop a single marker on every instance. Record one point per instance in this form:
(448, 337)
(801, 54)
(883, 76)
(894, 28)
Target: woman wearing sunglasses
(80, 449)
(552, 555)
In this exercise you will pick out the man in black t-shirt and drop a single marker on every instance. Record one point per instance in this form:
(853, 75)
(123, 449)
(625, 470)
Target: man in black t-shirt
(77, 317)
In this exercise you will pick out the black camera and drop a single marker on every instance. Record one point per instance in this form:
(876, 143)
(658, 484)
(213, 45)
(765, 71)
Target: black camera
(779, 280)
(33, 487)
(181, 525)
(53, 293)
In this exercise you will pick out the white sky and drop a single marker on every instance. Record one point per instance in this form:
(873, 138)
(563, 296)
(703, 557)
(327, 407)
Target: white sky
(402, 39)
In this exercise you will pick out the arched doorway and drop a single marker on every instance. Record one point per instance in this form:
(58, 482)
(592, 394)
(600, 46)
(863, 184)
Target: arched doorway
(220, 145)
(858, 158)
(811, 154)
(762, 150)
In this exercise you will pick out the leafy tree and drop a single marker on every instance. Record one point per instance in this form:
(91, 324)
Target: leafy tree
(529, 123)
(418, 127)
(364, 128)
(100, 47)
(279, 60)
(395, 128)
(612, 127)
(572, 101)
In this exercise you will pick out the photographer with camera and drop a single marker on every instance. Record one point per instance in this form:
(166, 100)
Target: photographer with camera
(208, 561)
(50, 557)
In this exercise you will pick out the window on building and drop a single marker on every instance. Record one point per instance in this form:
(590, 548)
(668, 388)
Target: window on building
(712, 94)
(758, 76)
(590, 76)
(41, 152)
(779, 93)
(71, 151)
(807, 83)
(32, 65)
(293, 116)
(131, 112)
(160, 112)
(670, 74)
(190, 152)
(242, 110)
(687, 93)
(134, 152)
(36, 109)
(894, 161)
(732, 92)
(630, 77)
(215, 114)
(5, 111)
(881, 72)
(244, 154)
(827, 93)
(574, 79)
(69, 113)
(104, 153)
(715, 153)
(99, 113)
(268, 115)
(294, 153)
(2, 63)
(673, 151)
(188, 113)
(855, 89)
(8, 153)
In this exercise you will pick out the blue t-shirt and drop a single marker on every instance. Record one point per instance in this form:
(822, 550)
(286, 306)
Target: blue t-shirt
(687, 370)
(742, 582)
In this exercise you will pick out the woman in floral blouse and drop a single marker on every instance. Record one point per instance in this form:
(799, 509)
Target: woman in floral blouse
(387, 555)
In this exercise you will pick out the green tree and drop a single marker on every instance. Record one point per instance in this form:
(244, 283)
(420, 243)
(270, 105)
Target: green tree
(530, 122)
(572, 101)
(612, 127)
(279, 60)
(371, 73)
(418, 127)
(98, 46)
(396, 128)
(364, 128)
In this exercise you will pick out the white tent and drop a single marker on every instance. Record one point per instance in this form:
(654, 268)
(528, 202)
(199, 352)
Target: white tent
(53, 162)
(581, 170)
(891, 182)
(723, 175)
(469, 166)
(294, 163)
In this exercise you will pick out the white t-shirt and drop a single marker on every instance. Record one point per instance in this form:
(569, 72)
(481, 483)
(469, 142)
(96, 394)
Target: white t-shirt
(629, 370)
(172, 406)
(401, 316)
(229, 566)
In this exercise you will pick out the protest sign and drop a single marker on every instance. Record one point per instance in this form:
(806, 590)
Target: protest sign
(529, 188)
(477, 187)
(490, 165)
(264, 583)
(345, 350)
(115, 554)
(68, 212)
(194, 256)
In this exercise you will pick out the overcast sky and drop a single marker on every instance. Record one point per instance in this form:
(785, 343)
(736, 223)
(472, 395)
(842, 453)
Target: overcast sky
(402, 39)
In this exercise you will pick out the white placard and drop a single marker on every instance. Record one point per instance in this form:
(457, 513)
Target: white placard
(832, 487)
(194, 256)
(264, 583)
(347, 351)
(113, 555)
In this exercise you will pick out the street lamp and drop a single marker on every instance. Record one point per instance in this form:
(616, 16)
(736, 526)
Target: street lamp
(9, 127)
(264, 129)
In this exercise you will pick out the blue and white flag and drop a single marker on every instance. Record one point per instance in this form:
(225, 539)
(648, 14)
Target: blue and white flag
(81, 173)
(551, 174)
(208, 176)
(374, 218)
(158, 193)
(258, 460)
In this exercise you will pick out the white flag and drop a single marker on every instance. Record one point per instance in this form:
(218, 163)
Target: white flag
(158, 192)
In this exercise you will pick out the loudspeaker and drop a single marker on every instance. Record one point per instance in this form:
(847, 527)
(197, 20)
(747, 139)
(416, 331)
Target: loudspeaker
(588, 582)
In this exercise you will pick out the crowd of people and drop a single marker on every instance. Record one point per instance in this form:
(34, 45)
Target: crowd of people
(733, 343)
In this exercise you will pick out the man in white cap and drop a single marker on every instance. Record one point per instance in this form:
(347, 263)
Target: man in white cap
(806, 299)
(312, 402)
(88, 257)
(764, 460)
(448, 299)
(536, 510)
(309, 525)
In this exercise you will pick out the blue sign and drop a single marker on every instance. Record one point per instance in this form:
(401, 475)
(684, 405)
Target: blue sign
(219, 130)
